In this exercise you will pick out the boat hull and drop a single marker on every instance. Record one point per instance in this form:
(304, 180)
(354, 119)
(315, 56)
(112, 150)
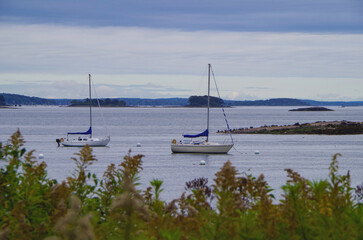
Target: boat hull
(201, 148)
(90, 142)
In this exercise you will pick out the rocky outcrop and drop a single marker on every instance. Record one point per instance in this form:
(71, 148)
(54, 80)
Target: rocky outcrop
(323, 128)
(312, 109)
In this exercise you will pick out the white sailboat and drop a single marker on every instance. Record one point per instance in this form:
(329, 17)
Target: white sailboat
(81, 139)
(200, 143)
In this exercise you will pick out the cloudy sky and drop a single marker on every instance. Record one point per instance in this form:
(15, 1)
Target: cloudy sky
(259, 49)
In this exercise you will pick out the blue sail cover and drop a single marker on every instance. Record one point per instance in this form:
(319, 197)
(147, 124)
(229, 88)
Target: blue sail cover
(89, 132)
(203, 134)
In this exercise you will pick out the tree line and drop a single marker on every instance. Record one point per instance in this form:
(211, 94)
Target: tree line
(103, 102)
(202, 101)
(2, 100)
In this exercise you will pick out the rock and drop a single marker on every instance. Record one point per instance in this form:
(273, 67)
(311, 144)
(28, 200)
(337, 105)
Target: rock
(327, 128)
(312, 109)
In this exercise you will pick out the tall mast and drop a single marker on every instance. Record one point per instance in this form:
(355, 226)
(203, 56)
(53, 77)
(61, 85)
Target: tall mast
(209, 66)
(90, 102)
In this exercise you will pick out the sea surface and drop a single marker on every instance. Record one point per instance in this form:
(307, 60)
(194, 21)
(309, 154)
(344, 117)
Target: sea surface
(154, 128)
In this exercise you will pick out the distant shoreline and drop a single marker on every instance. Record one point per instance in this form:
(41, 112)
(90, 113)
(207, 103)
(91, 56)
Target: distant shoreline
(8, 107)
(17, 99)
(146, 106)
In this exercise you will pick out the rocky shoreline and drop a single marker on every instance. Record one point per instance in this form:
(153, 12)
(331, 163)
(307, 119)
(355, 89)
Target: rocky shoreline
(311, 109)
(322, 128)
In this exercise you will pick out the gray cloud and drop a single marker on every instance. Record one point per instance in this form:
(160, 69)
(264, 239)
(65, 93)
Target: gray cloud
(229, 15)
(72, 90)
(112, 50)
(260, 62)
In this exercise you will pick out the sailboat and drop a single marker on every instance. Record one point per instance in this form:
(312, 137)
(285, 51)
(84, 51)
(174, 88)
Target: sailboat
(81, 139)
(199, 143)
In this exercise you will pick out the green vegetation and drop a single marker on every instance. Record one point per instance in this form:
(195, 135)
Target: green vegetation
(236, 206)
(202, 101)
(103, 102)
(326, 128)
(330, 129)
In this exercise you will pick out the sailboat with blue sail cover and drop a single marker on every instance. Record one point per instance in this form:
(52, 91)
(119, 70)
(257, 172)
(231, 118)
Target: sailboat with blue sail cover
(81, 139)
(199, 143)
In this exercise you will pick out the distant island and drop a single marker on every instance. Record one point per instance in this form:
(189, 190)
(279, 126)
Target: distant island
(202, 101)
(102, 102)
(2, 101)
(312, 109)
(270, 102)
(17, 99)
(323, 128)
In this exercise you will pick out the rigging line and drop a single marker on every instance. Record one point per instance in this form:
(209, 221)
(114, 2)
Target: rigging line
(225, 117)
(224, 113)
(200, 83)
(99, 106)
(237, 150)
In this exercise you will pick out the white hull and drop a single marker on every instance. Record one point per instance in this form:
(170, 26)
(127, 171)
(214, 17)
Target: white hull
(93, 142)
(82, 140)
(201, 148)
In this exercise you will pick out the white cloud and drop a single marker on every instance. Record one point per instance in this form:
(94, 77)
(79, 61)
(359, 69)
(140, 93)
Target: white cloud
(263, 65)
(234, 95)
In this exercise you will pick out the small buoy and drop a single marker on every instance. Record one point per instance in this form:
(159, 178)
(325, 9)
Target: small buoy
(138, 145)
(41, 156)
(202, 162)
(257, 152)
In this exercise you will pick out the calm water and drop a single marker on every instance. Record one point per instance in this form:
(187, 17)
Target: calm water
(154, 128)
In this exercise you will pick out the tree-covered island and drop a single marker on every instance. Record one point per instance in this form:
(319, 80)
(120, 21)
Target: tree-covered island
(2, 101)
(202, 101)
(103, 102)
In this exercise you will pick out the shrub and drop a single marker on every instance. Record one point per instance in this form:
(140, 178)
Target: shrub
(235, 206)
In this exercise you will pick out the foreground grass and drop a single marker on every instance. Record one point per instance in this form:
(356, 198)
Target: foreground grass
(33, 206)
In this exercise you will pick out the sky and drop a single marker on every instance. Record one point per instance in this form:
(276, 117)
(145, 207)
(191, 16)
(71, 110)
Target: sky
(259, 49)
